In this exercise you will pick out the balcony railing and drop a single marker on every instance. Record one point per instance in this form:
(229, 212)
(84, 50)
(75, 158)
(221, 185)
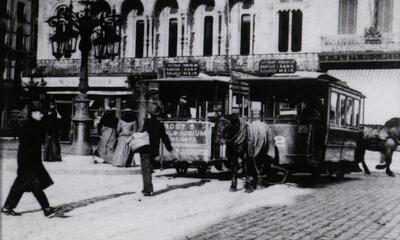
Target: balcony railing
(357, 43)
(209, 64)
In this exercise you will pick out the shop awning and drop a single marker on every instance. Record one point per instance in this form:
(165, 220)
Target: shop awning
(105, 93)
(94, 81)
(381, 88)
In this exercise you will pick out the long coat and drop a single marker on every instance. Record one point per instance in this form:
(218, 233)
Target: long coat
(30, 166)
(156, 132)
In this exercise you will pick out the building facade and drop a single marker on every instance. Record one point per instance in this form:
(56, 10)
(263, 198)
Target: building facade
(18, 41)
(221, 36)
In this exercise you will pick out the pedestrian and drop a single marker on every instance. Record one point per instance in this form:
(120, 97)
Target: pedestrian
(107, 129)
(52, 149)
(126, 126)
(31, 174)
(156, 131)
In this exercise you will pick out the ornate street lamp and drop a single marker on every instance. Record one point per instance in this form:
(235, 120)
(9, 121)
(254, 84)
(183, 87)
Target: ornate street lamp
(95, 25)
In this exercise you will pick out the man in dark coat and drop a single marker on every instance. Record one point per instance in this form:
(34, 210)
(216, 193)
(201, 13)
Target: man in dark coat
(148, 153)
(52, 148)
(31, 174)
(183, 108)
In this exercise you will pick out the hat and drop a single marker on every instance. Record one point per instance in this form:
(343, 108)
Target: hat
(184, 97)
(35, 106)
(154, 110)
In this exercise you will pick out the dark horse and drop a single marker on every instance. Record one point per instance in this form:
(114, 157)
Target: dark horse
(384, 139)
(252, 143)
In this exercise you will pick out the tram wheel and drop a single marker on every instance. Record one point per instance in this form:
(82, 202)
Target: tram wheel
(340, 176)
(202, 170)
(181, 170)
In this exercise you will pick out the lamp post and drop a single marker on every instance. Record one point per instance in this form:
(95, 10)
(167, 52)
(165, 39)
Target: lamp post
(98, 26)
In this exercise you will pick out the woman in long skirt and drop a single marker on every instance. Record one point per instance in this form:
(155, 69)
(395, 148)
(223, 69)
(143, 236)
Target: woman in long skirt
(108, 137)
(126, 126)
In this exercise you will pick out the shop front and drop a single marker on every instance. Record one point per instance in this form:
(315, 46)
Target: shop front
(105, 92)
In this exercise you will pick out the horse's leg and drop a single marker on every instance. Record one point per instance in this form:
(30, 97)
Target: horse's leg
(390, 146)
(360, 154)
(248, 186)
(261, 168)
(235, 163)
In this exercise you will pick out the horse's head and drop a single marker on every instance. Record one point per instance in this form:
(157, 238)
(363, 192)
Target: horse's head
(393, 128)
(226, 128)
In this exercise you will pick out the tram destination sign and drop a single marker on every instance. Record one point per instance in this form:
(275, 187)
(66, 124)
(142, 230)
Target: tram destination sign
(182, 69)
(272, 66)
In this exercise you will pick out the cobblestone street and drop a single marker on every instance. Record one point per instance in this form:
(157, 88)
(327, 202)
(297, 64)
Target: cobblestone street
(357, 208)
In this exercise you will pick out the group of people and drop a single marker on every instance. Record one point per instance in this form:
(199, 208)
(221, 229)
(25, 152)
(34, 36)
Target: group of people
(32, 175)
(114, 133)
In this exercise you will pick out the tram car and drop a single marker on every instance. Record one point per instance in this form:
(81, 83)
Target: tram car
(315, 117)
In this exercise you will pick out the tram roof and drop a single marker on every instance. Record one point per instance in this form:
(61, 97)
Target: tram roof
(200, 78)
(296, 76)
(300, 77)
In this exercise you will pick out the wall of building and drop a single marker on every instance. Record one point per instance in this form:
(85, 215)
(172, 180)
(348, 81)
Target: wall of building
(320, 20)
(17, 51)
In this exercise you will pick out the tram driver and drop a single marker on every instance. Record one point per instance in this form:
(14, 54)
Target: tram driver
(311, 111)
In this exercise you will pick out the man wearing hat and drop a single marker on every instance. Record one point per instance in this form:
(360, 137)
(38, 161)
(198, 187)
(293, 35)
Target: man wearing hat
(31, 174)
(183, 109)
(148, 153)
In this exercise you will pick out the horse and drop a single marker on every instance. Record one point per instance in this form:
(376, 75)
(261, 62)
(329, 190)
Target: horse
(384, 139)
(252, 143)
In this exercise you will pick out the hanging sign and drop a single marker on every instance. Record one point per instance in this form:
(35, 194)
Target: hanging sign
(277, 66)
(182, 69)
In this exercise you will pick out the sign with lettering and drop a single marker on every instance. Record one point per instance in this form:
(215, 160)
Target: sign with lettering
(277, 66)
(191, 141)
(182, 69)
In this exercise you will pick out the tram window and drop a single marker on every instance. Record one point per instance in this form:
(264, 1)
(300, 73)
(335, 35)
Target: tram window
(287, 109)
(349, 111)
(333, 110)
(342, 102)
(256, 109)
(356, 120)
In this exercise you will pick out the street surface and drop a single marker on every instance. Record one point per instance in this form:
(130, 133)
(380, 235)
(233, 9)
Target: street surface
(103, 202)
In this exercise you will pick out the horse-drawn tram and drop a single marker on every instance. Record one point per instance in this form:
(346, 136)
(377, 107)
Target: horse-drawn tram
(191, 106)
(315, 119)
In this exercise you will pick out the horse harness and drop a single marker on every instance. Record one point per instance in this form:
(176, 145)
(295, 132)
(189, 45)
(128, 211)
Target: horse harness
(239, 138)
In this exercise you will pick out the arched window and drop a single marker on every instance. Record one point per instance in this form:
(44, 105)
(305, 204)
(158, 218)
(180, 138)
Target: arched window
(245, 29)
(173, 37)
(208, 36)
(139, 39)
(385, 15)
(290, 31)
(347, 16)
